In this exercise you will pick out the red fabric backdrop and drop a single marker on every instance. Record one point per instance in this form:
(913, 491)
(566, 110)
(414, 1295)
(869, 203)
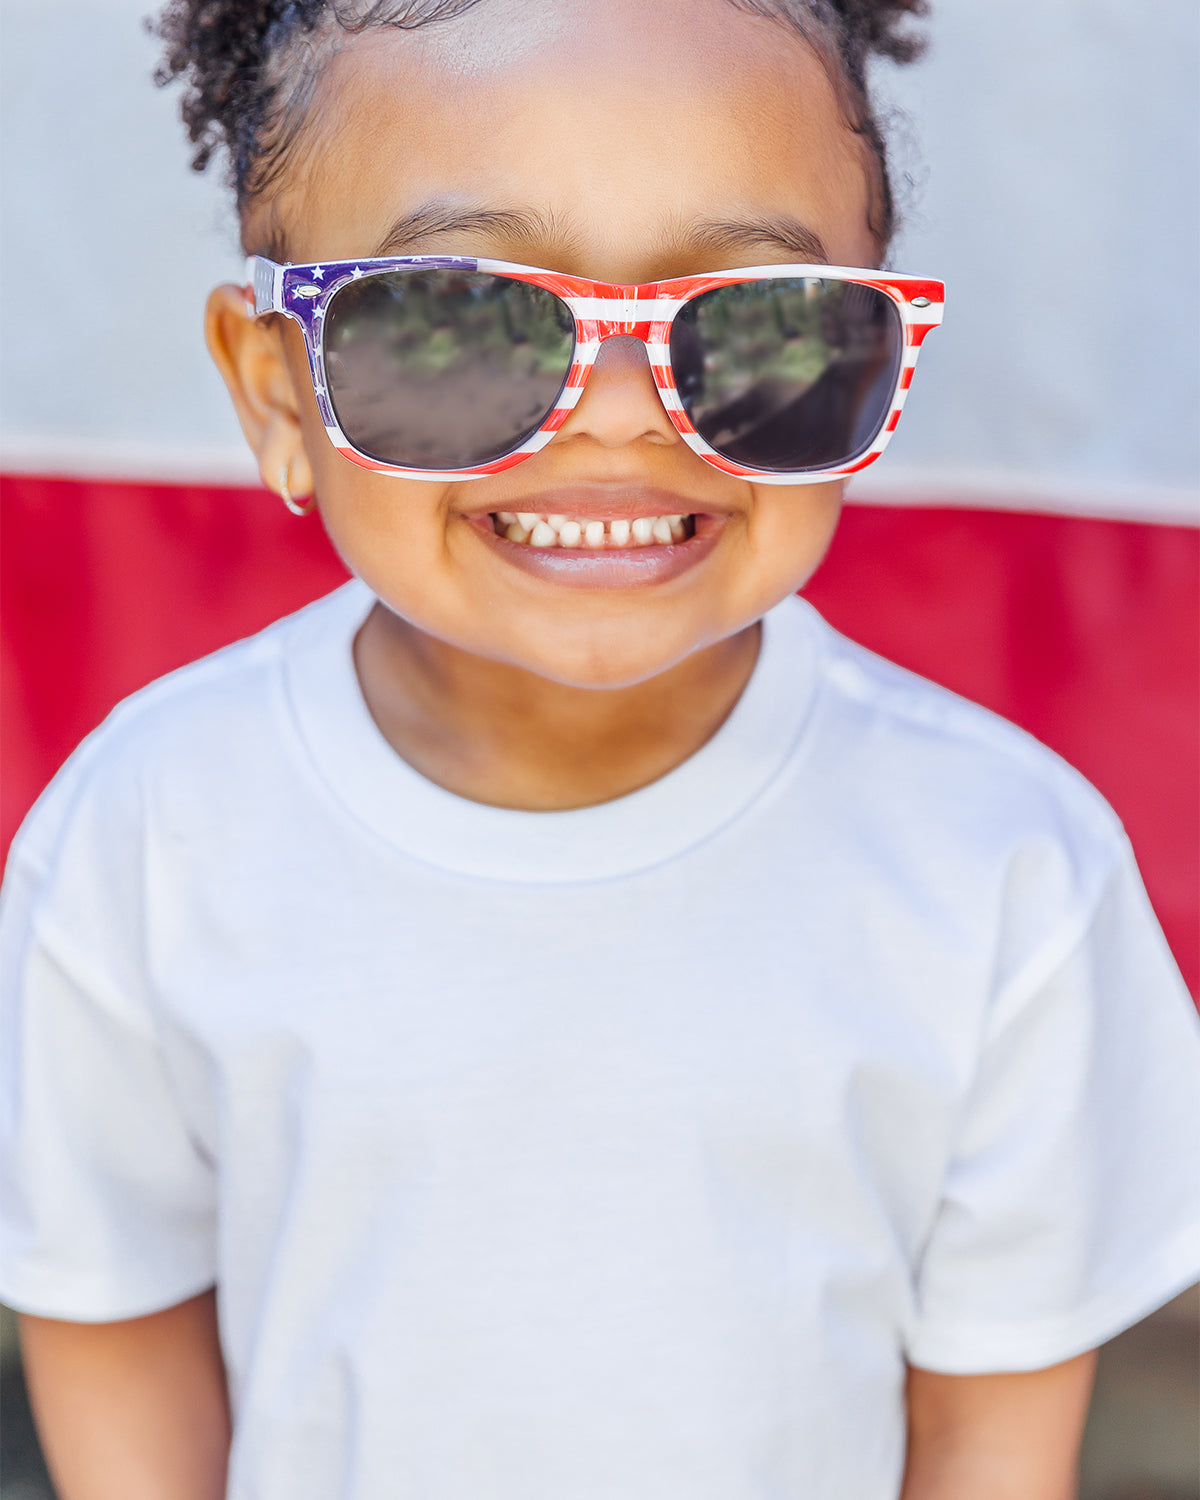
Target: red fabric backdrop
(1084, 632)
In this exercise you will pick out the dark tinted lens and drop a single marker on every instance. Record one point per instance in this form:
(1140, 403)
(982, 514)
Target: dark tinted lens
(789, 374)
(444, 370)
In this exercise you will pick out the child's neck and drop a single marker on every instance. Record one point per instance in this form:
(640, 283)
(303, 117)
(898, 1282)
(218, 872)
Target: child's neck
(497, 734)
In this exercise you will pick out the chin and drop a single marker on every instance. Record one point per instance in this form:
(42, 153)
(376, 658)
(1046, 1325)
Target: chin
(600, 667)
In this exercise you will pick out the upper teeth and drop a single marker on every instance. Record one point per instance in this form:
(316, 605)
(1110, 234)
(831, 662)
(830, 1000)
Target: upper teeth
(569, 531)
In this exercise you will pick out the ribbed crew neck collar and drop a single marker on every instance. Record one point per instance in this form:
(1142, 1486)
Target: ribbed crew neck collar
(645, 828)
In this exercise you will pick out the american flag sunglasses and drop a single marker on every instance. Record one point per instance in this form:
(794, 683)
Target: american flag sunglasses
(455, 367)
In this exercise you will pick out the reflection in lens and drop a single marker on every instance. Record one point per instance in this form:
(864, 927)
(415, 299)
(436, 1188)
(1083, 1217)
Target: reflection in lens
(436, 369)
(788, 374)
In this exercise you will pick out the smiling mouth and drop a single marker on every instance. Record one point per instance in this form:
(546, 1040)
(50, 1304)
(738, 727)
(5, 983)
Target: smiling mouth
(534, 529)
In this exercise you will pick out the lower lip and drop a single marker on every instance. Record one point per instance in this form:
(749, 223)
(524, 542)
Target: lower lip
(611, 568)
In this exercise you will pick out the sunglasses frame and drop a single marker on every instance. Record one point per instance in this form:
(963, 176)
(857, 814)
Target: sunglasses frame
(601, 310)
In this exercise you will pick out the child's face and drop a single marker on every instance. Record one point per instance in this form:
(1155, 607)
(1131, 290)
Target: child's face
(640, 139)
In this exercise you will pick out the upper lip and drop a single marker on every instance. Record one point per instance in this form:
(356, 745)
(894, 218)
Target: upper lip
(599, 503)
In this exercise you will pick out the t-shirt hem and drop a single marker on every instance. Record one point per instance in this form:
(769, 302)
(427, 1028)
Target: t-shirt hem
(96, 1302)
(995, 1348)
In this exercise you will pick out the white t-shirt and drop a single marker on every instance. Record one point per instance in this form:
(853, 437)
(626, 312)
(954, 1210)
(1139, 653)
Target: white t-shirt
(614, 1153)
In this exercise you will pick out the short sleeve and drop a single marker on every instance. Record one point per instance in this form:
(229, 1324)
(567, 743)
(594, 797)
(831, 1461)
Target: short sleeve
(106, 1203)
(1071, 1205)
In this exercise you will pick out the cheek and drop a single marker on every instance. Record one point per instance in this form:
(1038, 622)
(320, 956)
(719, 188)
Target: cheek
(791, 527)
(389, 531)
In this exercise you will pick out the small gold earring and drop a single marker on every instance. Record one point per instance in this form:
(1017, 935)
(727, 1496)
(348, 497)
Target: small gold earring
(297, 507)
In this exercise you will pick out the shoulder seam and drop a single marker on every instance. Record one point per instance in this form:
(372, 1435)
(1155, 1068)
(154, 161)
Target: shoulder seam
(1056, 951)
(897, 690)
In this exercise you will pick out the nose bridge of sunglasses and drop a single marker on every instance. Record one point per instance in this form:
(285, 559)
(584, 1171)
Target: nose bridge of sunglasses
(627, 351)
(629, 314)
(616, 348)
(608, 329)
(639, 317)
(622, 344)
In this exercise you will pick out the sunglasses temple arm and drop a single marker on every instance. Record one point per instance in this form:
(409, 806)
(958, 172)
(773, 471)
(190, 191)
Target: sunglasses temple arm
(264, 285)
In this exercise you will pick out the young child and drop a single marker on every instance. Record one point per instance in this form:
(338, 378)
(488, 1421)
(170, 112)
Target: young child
(553, 1021)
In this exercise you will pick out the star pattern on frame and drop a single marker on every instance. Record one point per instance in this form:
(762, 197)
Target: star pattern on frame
(318, 273)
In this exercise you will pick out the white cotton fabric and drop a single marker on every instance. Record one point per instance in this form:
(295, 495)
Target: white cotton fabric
(621, 1152)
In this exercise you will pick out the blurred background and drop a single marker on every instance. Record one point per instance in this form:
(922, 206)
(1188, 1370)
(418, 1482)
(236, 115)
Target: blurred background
(1032, 538)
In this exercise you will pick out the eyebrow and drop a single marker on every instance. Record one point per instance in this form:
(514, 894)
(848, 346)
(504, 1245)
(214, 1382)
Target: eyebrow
(780, 232)
(531, 226)
(523, 225)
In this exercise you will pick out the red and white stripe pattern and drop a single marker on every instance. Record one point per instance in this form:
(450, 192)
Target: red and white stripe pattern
(601, 310)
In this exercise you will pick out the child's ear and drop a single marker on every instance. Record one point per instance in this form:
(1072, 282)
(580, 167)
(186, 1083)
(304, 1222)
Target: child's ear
(250, 356)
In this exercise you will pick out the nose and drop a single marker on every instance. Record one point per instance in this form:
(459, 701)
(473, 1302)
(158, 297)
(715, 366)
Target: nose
(620, 402)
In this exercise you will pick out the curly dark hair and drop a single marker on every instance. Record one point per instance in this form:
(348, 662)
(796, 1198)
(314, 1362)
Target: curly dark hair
(250, 68)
